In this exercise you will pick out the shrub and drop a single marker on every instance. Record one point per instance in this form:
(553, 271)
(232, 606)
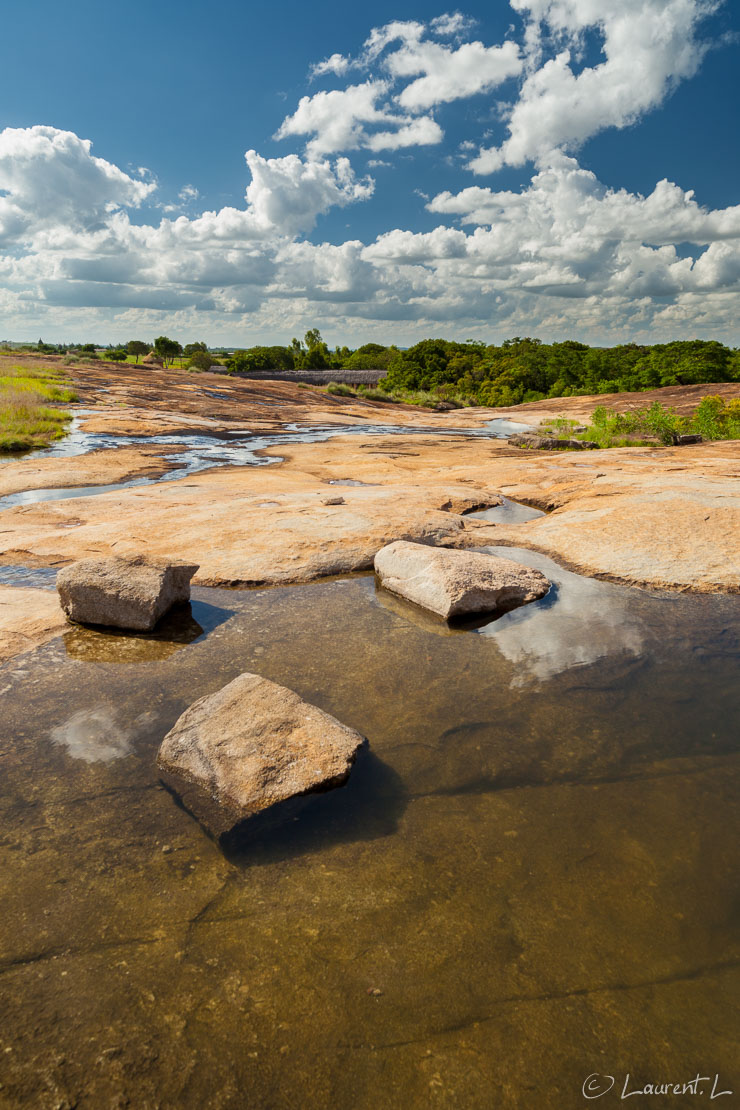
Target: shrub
(201, 360)
(371, 394)
(661, 422)
(339, 389)
(710, 417)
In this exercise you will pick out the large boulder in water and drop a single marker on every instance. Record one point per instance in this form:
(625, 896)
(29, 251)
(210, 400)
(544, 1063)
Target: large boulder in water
(123, 593)
(456, 583)
(250, 751)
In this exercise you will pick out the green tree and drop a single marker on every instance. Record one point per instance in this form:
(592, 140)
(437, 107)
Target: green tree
(312, 338)
(137, 347)
(167, 349)
(193, 348)
(200, 360)
(261, 360)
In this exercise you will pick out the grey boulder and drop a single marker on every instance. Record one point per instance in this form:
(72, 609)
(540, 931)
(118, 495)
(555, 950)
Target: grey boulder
(123, 593)
(550, 443)
(250, 751)
(456, 583)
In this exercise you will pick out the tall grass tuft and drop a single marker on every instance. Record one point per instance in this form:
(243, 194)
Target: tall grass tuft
(27, 420)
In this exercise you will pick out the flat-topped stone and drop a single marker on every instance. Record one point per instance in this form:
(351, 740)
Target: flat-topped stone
(250, 750)
(454, 583)
(123, 593)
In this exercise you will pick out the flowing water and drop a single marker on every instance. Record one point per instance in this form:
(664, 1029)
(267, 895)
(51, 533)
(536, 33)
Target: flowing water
(238, 447)
(531, 876)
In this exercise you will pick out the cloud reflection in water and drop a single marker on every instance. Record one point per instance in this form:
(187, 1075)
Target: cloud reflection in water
(580, 621)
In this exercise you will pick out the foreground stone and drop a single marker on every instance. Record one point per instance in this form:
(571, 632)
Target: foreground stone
(250, 749)
(456, 583)
(123, 593)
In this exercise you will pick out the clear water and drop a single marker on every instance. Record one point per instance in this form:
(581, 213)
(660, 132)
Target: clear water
(509, 512)
(43, 578)
(530, 878)
(237, 447)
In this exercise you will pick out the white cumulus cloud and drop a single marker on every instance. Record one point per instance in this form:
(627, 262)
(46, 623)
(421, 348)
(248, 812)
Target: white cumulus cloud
(51, 178)
(339, 120)
(563, 255)
(648, 47)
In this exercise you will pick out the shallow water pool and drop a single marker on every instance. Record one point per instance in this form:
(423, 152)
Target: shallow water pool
(531, 876)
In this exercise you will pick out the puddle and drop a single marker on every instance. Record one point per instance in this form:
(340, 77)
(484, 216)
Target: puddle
(509, 512)
(235, 447)
(347, 482)
(44, 578)
(532, 877)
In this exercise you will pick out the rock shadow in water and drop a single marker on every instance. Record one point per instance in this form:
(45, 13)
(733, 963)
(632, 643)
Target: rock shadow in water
(183, 625)
(430, 622)
(367, 807)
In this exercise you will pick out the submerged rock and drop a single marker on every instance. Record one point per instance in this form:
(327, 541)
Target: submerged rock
(123, 593)
(454, 583)
(251, 749)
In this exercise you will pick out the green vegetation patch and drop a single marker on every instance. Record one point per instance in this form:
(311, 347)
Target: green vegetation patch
(27, 419)
(713, 419)
(339, 389)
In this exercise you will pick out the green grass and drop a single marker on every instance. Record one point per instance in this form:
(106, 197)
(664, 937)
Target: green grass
(713, 419)
(27, 419)
(370, 393)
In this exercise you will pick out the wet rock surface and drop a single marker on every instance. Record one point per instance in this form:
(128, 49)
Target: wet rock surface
(457, 583)
(123, 593)
(247, 750)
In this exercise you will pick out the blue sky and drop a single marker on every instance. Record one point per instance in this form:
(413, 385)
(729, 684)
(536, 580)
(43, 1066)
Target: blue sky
(561, 168)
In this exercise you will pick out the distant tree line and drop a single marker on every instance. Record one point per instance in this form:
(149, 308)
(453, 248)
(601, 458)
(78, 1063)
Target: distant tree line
(311, 353)
(517, 370)
(528, 370)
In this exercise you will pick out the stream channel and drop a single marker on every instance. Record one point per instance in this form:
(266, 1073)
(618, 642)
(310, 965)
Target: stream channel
(234, 448)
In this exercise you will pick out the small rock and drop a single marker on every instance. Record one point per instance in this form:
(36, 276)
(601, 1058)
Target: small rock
(332, 501)
(684, 441)
(455, 583)
(123, 593)
(249, 750)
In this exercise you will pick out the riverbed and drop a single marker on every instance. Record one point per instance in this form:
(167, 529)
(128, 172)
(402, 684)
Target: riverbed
(191, 452)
